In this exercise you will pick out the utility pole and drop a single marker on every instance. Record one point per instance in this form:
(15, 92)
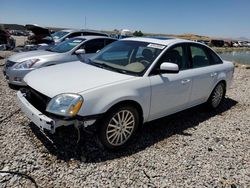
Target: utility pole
(85, 24)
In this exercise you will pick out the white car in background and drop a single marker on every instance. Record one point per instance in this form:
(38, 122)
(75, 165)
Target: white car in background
(129, 82)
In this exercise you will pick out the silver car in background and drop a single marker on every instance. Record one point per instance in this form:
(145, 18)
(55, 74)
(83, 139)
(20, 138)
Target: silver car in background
(78, 48)
(63, 35)
(42, 38)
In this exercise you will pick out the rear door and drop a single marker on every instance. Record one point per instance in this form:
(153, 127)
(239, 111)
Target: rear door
(204, 74)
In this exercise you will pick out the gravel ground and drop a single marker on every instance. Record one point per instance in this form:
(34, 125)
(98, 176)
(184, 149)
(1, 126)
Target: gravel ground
(194, 148)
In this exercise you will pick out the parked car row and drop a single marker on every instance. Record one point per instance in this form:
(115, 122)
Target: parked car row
(224, 43)
(6, 41)
(78, 48)
(20, 32)
(127, 83)
(42, 38)
(241, 44)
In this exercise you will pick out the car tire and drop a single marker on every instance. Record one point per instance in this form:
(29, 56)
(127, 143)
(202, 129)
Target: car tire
(118, 127)
(217, 96)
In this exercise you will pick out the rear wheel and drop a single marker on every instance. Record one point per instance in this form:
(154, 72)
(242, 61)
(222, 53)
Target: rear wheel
(118, 127)
(217, 96)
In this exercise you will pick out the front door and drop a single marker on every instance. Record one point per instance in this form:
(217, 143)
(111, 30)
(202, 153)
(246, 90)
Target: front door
(170, 92)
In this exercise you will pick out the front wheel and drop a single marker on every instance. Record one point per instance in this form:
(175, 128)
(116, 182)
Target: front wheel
(118, 127)
(217, 96)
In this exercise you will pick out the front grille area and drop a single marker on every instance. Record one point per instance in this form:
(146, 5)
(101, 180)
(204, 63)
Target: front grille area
(37, 99)
(9, 63)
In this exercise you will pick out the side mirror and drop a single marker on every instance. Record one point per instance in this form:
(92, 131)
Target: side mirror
(98, 51)
(167, 67)
(80, 51)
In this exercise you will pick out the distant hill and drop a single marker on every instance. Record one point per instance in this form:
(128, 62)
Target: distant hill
(12, 26)
(183, 36)
(243, 39)
(22, 27)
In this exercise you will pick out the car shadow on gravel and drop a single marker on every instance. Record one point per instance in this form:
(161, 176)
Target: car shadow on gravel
(63, 143)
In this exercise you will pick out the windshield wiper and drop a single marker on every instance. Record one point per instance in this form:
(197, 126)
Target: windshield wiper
(120, 71)
(96, 64)
(104, 65)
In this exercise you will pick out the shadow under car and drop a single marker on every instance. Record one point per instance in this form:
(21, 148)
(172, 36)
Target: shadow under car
(63, 143)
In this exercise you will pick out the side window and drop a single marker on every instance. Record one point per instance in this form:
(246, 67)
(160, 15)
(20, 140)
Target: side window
(199, 56)
(93, 46)
(175, 55)
(93, 33)
(85, 33)
(74, 35)
(108, 41)
(214, 58)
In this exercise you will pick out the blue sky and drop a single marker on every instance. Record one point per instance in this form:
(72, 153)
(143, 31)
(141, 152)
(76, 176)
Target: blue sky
(221, 18)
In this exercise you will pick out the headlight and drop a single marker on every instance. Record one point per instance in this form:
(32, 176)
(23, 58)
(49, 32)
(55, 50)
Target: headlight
(26, 64)
(65, 105)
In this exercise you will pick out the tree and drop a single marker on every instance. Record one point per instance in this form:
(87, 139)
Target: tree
(138, 33)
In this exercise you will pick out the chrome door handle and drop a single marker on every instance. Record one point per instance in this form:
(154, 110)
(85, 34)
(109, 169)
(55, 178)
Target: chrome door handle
(185, 81)
(213, 74)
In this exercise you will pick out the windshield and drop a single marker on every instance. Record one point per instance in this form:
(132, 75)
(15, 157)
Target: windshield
(128, 57)
(66, 45)
(59, 34)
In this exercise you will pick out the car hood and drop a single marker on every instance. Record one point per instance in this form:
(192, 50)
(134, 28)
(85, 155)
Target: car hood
(37, 30)
(73, 77)
(23, 56)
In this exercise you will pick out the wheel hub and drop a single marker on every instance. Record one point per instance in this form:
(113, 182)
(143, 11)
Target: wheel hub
(120, 127)
(217, 95)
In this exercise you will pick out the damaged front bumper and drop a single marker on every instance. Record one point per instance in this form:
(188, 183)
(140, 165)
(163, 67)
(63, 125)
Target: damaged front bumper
(38, 118)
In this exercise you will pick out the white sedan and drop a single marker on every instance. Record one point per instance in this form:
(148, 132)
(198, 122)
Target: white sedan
(128, 83)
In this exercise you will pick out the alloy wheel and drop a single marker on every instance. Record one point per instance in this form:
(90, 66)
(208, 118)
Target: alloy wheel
(120, 127)
(217, 95)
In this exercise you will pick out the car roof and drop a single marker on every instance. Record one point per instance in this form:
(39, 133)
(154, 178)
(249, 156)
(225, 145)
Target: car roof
(157, 40)
(81, 30)
(89, 37)
(68, 30)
